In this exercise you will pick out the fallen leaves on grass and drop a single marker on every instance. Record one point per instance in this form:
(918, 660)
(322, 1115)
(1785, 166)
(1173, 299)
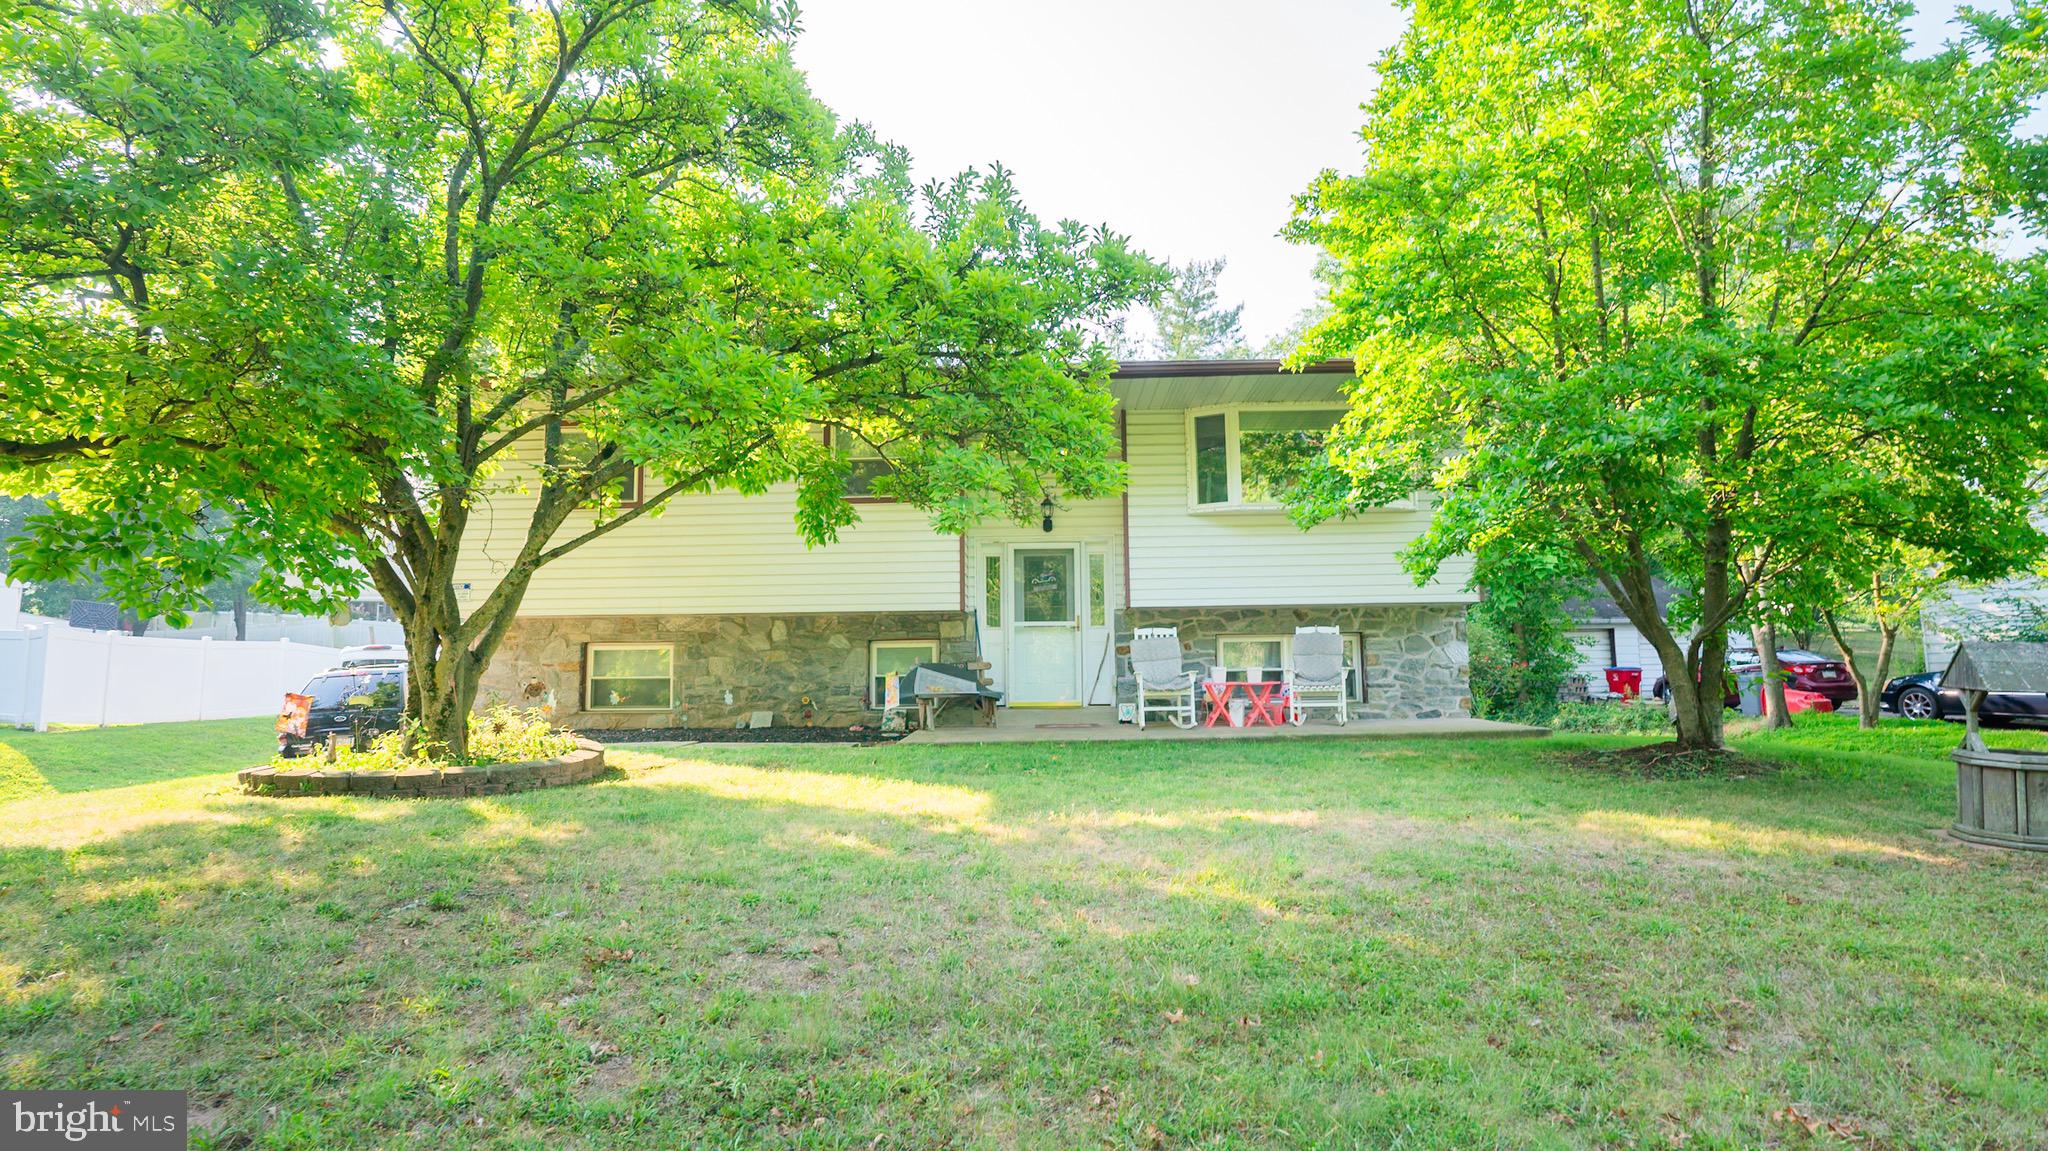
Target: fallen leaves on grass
(601, 957)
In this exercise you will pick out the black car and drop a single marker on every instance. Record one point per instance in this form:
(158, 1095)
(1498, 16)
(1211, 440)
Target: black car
(1922, 697)
(355, 703)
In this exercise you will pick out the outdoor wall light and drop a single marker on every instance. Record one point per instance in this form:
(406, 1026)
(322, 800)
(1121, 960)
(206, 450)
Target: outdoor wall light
(1045, 510)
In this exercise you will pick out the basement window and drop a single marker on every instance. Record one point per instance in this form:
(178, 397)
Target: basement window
(1265, 658)
(629, 677)
(887, 657)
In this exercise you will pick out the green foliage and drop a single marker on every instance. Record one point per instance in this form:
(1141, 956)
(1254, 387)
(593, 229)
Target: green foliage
(497, 734)
(394, 250)
(1191, 322)
(1643, 717)
(1699, 289)
(1520, 654)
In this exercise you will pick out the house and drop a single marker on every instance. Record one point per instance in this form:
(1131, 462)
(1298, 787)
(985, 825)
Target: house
(1602, 637)
(714, 608)
(2015, 608)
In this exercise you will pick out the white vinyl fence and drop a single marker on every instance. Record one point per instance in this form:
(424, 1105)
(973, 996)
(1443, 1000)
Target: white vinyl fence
(304, 629)
(54, 674)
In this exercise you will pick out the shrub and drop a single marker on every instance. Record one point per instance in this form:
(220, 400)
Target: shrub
(1521, 653)
(1645, 717)
(498, 734)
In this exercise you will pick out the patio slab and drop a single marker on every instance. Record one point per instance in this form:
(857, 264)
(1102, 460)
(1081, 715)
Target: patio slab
(1098, 724)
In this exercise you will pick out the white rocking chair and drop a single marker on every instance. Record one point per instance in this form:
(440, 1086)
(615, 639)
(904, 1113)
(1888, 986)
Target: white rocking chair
(1163, 687)
(1317, 676)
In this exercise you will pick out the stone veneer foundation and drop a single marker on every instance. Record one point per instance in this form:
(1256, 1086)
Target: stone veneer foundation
(768, 663)
(1416, 661)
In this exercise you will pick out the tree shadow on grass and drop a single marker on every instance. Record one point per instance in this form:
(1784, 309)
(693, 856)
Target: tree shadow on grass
(728, 948)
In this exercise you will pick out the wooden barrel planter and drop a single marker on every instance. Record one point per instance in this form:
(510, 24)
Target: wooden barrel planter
(2002, 798)
(2001, 793)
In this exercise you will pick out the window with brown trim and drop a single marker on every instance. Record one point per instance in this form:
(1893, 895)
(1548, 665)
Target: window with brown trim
(630, 490)
(865, 464)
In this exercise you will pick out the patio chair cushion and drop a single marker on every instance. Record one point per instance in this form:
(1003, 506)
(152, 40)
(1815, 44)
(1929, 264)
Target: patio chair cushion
(1156, 660)
(1318, 656)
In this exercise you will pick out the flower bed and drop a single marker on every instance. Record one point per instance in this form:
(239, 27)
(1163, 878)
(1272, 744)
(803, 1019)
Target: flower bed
(584, 763)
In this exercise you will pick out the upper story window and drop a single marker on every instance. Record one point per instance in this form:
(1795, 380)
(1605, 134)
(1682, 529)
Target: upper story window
(1246, 457)
(864, 461)
(578, 448)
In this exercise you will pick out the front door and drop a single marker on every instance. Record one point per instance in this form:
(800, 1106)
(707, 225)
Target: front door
(1046, 601)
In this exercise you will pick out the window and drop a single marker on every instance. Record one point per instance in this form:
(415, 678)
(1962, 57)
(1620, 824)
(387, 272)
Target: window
(992, 588)
(1045, 585)
(626, 491)
(629, 677)
(1252, 657)
(1098, 608)
(576, 452)
(1212, 460)
(864, 461)
(887, 657)
(332, 691)
(1247, 457)
(1265, 657)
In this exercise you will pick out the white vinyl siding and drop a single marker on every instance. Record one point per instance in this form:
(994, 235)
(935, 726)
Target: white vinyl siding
(1619, 643)
(716, 553)
(1186, 558)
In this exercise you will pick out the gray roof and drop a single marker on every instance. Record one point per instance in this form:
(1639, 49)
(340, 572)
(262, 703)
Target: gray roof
(1998, 665)
(1598, 605)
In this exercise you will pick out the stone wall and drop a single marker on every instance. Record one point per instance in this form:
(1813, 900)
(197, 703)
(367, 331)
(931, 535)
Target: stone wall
(768, 663)
(1416, 661)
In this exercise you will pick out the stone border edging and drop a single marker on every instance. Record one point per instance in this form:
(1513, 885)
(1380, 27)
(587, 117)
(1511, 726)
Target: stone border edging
(579, 766)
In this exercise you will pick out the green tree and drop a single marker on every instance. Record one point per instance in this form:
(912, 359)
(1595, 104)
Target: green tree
(1190, 321)
(1521, 647)
(605, 238)
(1690, 285)
(1887, 594)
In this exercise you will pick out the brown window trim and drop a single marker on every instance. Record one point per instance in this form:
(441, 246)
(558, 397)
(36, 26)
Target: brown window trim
(828, 429)
(639, 478)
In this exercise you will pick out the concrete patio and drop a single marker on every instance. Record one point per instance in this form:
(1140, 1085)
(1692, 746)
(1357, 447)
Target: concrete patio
(1098, 724)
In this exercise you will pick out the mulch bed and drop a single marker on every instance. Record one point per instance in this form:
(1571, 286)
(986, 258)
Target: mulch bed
(744, 735)
(1668, 761)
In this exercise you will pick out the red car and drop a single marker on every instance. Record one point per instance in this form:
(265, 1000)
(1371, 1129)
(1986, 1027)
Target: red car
(1804, 671)
(1808, 671)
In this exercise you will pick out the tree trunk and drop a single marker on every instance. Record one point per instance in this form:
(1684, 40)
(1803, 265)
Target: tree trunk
(1866, 685)
(241, 617)
(1866, 693)
(1765, 636)
(443, 679)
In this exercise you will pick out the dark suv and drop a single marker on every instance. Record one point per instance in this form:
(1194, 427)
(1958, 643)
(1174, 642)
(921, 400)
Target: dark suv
(353, 702)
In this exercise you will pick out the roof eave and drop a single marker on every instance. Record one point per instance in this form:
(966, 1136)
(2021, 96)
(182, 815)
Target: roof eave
(1194, 369)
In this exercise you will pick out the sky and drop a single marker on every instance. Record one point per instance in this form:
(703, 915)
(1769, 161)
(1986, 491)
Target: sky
(1186, 125)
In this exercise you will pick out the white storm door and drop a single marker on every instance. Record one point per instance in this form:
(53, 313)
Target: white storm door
(1047, 597)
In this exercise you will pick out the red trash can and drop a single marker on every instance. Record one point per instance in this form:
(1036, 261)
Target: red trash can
(1626, 682)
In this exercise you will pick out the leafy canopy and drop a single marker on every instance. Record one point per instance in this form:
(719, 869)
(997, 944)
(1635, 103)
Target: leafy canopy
(323, 272)
(1695, 286)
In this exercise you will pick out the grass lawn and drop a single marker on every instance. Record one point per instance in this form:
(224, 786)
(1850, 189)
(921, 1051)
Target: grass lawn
(1277, 943)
